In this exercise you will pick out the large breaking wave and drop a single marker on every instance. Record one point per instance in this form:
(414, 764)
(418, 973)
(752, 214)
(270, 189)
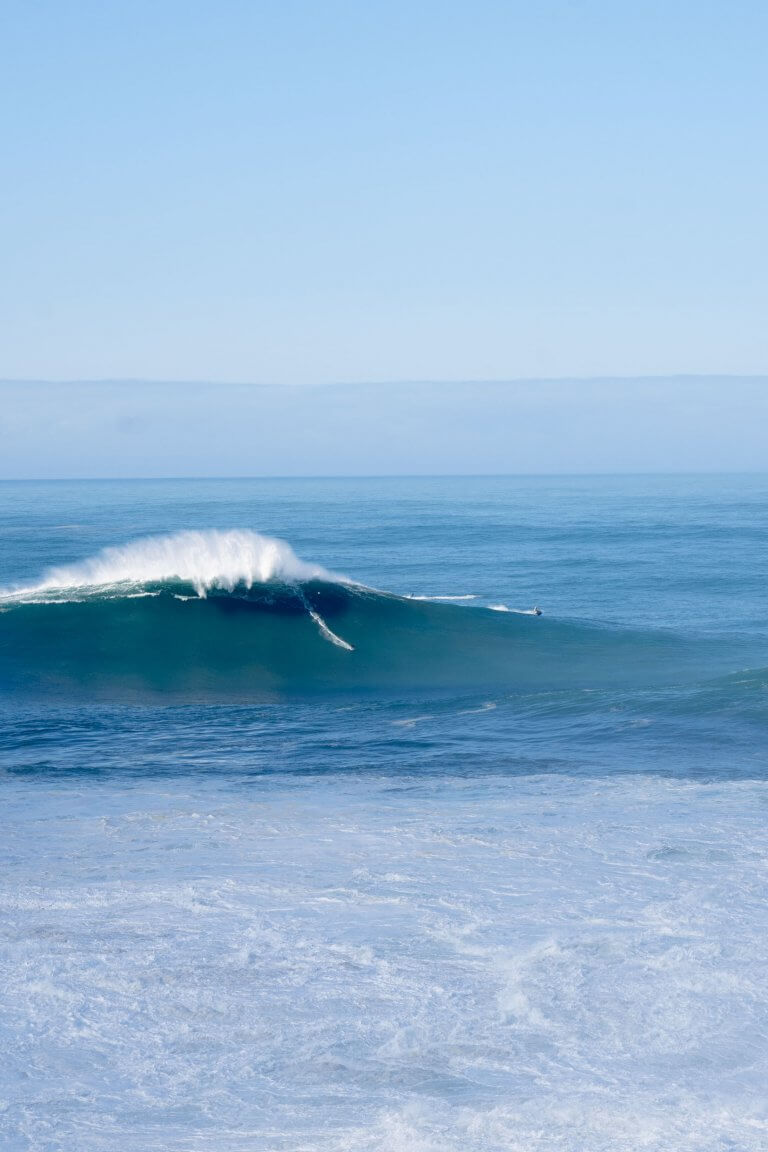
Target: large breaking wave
(206, 561)
(239, 615)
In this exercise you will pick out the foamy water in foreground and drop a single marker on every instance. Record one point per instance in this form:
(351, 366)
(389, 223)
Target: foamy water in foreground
(480, 881)
(336, 963)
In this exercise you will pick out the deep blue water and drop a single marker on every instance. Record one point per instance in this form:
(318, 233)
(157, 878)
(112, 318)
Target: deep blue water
(361, 855)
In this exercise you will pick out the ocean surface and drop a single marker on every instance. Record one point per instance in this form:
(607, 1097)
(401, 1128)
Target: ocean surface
(314, 838)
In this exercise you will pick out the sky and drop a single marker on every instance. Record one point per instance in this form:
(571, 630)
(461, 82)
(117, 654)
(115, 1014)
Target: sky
(358, 196)
(287, 192)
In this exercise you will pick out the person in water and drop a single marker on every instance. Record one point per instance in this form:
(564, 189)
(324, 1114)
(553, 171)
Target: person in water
(537, 610)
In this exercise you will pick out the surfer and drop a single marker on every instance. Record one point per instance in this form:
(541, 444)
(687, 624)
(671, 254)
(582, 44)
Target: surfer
(536, 610)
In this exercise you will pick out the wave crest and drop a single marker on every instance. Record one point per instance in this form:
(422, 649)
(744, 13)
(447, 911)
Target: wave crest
(205, 560)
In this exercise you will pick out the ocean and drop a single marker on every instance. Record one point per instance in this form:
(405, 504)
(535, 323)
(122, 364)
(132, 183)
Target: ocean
(314, 837)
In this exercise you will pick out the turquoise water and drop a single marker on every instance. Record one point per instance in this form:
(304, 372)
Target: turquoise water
(329, 844)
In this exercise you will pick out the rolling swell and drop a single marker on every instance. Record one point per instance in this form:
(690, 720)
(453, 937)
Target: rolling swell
(239, 616)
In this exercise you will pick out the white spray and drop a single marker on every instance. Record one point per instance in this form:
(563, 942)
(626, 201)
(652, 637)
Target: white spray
(207, 560)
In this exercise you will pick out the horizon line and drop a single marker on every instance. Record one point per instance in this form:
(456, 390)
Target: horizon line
(357, 383)
(380, 476)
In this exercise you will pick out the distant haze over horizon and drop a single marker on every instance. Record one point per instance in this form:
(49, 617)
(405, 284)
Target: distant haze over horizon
(145, 429)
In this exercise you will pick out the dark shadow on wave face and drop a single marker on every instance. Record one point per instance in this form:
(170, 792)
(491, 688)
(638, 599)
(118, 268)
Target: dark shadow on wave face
(283, 600)
(262, 644)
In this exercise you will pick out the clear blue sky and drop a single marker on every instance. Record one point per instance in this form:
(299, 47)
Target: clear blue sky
(306, 192)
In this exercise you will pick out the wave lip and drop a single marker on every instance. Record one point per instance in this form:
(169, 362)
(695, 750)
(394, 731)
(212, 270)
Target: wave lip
(205, 560)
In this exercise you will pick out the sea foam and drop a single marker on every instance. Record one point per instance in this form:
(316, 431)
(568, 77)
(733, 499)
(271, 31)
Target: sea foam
(206, 560)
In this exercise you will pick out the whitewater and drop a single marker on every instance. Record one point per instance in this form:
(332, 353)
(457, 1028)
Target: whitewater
(305, 843)
(212, 561)
(222, 560)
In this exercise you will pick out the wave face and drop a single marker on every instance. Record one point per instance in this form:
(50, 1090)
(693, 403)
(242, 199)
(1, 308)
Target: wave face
(239, 615)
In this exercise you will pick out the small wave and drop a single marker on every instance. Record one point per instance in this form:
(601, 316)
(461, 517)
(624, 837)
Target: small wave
(437, 599)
